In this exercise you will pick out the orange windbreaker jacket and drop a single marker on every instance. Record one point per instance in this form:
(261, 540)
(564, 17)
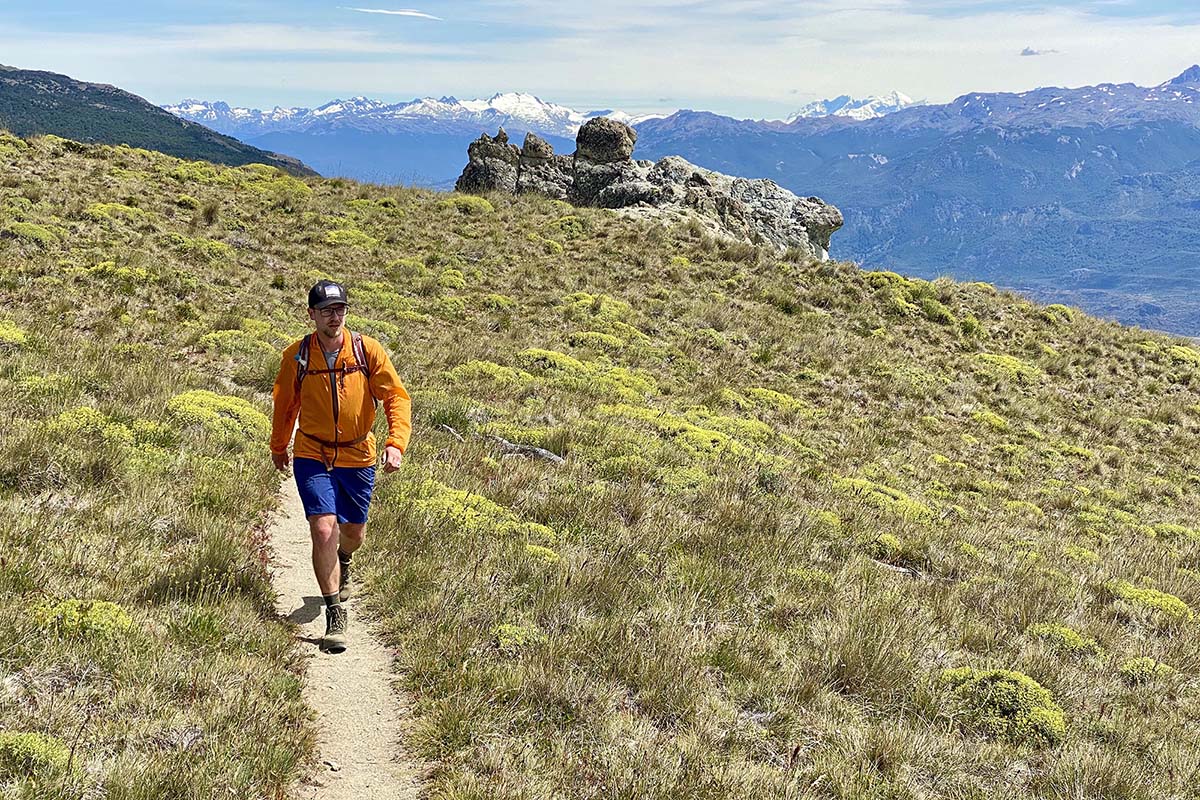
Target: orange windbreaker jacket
(339, 422)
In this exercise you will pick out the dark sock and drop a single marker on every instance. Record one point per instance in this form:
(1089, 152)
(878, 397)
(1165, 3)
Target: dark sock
(343, 556)
(331, 600)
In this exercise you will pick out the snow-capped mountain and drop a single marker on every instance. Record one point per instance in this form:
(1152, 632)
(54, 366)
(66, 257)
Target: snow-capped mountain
(860, 108)
(514, 110)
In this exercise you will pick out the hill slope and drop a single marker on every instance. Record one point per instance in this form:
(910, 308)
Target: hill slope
(1087, 196)
(34, 102)
(820, 532)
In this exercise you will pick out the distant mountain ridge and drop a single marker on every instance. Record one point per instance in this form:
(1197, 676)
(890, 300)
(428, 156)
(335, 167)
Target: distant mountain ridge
(1089, 196)
(425, 114)
(855, 108)
(34, 102)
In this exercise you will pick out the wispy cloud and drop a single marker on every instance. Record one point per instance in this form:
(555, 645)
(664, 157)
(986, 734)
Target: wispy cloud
(1029, 51)
(394, 12)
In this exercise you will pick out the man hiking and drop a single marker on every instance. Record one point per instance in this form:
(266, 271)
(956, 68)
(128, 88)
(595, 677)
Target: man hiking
(333, 381)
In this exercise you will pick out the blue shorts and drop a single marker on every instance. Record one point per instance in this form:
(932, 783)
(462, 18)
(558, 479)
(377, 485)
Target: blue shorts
(345, 491)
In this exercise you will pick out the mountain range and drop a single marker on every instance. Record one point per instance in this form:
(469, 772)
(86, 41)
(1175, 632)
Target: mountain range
(422, 141)
(35, 102)
(861, 108)
(1088, 196)
(426, 114)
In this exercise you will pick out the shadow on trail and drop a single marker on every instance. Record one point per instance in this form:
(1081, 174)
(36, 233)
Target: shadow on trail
(307, 612)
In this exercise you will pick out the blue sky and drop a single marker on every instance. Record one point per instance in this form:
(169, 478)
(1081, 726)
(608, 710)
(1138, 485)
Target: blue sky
(759, 58)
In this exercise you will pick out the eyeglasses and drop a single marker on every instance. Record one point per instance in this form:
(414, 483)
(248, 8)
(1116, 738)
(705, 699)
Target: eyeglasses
(339, 311)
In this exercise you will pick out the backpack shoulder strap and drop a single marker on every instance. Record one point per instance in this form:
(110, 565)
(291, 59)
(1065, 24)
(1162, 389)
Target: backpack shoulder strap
(360, 357)
(302, 360)
(360, 353)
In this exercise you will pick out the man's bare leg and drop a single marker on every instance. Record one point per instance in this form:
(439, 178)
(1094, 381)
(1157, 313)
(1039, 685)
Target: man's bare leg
(324, 531)
(350, 538)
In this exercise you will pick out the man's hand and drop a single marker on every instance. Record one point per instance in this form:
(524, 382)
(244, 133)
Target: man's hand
(392, 458)
(282, 460)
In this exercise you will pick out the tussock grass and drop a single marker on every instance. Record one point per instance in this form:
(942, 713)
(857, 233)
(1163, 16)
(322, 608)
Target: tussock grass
(795, 496)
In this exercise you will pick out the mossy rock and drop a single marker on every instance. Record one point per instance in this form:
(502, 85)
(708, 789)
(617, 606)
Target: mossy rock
(1143, 669)
(1005, 704)
(22, 754)
(89, 619)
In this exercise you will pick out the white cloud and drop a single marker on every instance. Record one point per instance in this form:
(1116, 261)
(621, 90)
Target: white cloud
(742, 57)
(399, 12)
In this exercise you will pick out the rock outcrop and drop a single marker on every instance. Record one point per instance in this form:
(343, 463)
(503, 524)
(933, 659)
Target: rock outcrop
(491, 165)
(540, 170)
(603, 173)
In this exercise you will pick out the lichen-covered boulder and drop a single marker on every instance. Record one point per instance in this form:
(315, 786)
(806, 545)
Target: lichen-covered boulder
(603, 140)
(1005, 704)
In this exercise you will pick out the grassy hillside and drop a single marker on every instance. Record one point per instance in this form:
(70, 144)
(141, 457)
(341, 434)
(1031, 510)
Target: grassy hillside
(34, 102)
(821, 533)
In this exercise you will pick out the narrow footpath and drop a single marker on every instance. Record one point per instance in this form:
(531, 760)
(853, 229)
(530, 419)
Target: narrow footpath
(360, 737)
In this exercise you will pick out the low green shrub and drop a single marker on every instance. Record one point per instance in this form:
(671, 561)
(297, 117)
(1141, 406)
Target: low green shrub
(30, 232)
(23, 754)
(1143, 669)
(90, 619)
(1166, 606)
(230, 418)
(1004, 704)
(468, 204)
(1064, 639)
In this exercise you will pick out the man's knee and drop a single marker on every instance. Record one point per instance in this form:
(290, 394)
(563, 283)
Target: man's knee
(323, 527)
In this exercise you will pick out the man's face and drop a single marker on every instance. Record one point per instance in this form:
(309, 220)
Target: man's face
(329, 320)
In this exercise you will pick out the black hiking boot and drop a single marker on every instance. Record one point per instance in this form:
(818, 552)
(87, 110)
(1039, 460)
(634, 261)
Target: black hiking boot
(344, 591)
(336, 622)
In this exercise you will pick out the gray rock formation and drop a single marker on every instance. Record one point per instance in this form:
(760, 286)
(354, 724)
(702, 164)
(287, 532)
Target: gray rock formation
(603, 173)
(491, 165)
(540, 170)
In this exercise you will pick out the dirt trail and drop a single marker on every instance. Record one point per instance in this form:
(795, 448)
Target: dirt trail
(361, 752)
